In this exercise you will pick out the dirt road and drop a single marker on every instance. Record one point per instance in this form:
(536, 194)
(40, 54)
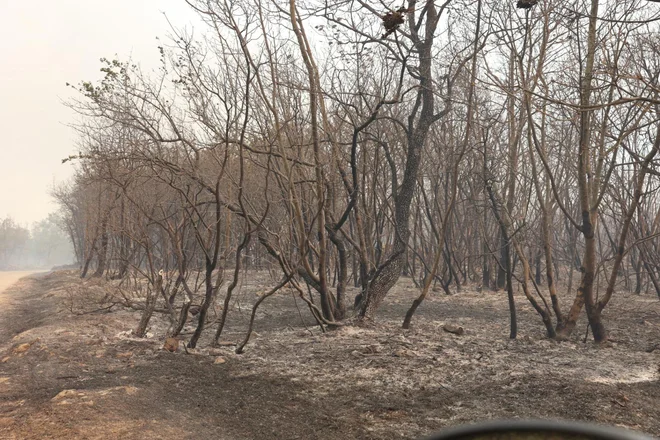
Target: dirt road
(10, 277)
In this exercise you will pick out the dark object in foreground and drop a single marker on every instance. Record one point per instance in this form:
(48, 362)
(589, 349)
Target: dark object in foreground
(358, 300)
(392, 20)
(171, 345)
(455, 329)
(526, 4)
(536, 430)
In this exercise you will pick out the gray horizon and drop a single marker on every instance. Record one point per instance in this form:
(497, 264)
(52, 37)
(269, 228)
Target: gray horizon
(46, 44)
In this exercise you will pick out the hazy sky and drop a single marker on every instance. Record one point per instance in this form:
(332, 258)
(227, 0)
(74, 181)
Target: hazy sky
(43, 45)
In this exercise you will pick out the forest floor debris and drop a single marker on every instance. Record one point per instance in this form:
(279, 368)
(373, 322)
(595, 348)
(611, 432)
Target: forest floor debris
(83, 376)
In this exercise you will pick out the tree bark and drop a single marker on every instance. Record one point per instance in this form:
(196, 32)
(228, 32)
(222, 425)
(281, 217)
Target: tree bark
(150, 305)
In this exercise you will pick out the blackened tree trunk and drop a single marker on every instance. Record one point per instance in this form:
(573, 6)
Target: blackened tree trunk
(506, 262)
(389, 271)
(102, 254)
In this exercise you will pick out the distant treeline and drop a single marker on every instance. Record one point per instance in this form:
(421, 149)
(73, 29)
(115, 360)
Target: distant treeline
(41, 246)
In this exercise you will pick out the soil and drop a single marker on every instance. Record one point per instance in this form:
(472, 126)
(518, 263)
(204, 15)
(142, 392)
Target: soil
(7, 278)
(70, 369)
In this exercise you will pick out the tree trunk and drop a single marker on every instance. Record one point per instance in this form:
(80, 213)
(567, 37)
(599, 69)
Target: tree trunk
(389, 271)
(150, 305)
(506, 263)
(203, 310)
(585, 295)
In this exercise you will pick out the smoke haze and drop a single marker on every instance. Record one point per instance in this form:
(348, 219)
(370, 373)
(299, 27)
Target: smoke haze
(45, 44)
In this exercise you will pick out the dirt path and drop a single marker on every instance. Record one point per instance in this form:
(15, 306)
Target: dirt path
(71, 370)
(11, 277)
(22, 308)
